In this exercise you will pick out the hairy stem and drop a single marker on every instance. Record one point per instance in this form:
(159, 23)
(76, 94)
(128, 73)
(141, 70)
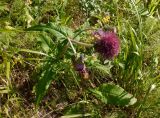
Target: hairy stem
(81, 43)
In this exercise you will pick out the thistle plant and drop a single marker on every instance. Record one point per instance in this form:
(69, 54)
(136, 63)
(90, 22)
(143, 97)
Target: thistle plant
(106, 43)
(75, 63)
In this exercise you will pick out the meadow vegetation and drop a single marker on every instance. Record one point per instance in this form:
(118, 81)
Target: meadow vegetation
(79, 59)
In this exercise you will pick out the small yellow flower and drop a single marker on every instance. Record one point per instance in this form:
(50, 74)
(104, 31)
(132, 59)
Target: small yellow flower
(106, 19)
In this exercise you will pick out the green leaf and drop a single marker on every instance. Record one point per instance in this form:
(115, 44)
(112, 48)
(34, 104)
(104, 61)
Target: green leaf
(46, 42)
(76, 110)
(32, 51)
(44, 82)
(103, 69)
(65, 31)
(113, 94)
(61, 32)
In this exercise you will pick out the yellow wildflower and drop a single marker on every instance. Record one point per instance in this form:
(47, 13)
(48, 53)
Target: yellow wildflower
(106, 19)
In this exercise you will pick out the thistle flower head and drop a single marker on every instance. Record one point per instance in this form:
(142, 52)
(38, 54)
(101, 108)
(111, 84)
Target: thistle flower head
(107, 45)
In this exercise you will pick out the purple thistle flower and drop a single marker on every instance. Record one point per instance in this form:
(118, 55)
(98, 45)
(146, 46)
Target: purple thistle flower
(107, 45)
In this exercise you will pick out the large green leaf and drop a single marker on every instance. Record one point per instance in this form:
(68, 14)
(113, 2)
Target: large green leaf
(58, 31)
(113, 94)
(44, 82)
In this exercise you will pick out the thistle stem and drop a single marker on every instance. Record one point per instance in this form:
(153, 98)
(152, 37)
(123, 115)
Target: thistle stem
(74, 50)
(81, 43)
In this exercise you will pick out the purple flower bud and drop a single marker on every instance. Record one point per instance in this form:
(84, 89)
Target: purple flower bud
(79, 67)
(108, 45)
